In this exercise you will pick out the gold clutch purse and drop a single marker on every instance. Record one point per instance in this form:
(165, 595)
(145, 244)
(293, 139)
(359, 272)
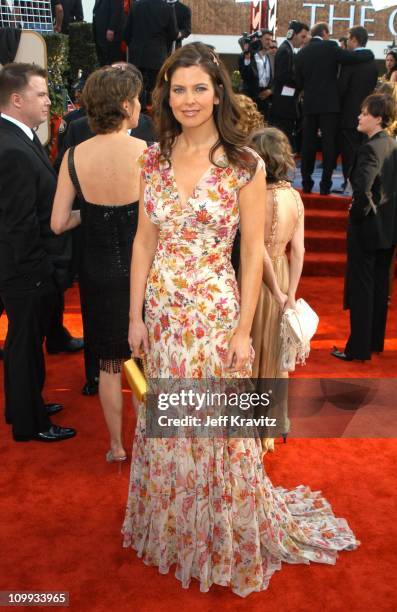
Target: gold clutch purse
(136, 379)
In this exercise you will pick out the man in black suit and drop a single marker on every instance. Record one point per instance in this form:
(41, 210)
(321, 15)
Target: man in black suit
(107, 25)
(355, 83)
(256, 73)
(72, 12)
(149, 32)
(316, 70)
(285, 91)
(33, 261)
(372, 231)
(183, 16)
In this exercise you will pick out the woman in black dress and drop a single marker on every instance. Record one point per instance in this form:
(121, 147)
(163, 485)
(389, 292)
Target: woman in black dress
(104, 175)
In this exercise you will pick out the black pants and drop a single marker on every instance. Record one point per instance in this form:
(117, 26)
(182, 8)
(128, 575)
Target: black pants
(265, 107)
(367, 285)
(28, 310)
(287, 126)
(328, 124)
(108, 52)
(350, 141)
(57, 334)
(149, 76)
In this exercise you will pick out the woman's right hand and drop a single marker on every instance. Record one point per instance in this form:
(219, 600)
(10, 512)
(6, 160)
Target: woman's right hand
(281, 299)
(138, 338)
(290, 303)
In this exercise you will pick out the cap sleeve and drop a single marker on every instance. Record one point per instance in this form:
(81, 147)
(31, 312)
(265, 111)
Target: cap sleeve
(244, 176)
(148, 162)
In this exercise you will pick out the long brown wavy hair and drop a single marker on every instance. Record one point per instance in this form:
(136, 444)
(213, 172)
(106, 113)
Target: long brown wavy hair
(226, 114)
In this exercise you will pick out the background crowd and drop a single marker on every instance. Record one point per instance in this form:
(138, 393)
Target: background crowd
(151, 213)
(313, 90)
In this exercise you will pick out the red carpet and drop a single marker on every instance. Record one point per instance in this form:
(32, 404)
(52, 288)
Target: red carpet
(325, 235)
(62, 505)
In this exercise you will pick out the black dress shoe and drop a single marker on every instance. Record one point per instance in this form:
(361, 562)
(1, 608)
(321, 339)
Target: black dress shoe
(90, 387)
(344, 357)
(340, 355)
(71, 345)
(53, 408)
(54, 434)
(325, 192)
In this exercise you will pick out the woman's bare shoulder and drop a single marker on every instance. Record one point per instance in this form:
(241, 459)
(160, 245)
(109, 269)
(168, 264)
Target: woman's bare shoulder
(137, 144)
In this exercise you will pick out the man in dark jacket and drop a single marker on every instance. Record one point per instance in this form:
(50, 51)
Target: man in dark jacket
(150, 30)
(372, 231)
(355, 83)
(183, 16)
(107, 25)
(72, 12)
(285, 91)
(33, 261)
(316, 68)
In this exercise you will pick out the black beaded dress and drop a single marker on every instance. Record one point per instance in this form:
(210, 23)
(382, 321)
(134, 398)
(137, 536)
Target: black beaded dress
(108, 232)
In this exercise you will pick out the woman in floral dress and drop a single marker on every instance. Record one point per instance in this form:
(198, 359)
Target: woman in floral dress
(206, 505)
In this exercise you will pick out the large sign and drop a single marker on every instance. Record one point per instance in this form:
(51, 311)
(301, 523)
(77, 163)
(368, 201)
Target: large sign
(381, 23)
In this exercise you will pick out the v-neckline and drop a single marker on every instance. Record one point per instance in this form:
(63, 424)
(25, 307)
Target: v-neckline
(202, 177)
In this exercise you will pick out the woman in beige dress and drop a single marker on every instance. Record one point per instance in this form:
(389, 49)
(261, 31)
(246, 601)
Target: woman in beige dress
(285, 225)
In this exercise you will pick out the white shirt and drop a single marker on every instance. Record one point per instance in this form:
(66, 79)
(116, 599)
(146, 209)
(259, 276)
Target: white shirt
(264, 70)
(21, 125)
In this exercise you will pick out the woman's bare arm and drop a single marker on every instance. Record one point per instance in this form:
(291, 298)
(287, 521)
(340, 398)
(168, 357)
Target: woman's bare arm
(63, 218)
(269, 278)
(296, 260)
(144, 248)
(252, 201)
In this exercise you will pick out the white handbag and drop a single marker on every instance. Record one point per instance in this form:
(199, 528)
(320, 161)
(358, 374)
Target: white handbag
(297, 329)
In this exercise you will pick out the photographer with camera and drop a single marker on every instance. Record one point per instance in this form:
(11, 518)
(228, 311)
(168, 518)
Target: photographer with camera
(255, 68)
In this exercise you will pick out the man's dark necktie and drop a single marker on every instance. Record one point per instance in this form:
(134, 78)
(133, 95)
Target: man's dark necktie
(39, 146)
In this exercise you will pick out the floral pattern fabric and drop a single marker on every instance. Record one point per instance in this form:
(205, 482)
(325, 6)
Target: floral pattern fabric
(207, 505)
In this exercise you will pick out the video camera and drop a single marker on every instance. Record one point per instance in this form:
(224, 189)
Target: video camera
(252, 40)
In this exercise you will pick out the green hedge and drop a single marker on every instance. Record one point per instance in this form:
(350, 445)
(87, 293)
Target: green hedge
(58, 68)
(66, 55)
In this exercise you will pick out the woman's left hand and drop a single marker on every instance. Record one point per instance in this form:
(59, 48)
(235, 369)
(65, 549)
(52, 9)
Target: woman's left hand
(238, 355)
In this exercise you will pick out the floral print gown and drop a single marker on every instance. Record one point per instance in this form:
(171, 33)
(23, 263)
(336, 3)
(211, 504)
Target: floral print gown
(206, 505)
